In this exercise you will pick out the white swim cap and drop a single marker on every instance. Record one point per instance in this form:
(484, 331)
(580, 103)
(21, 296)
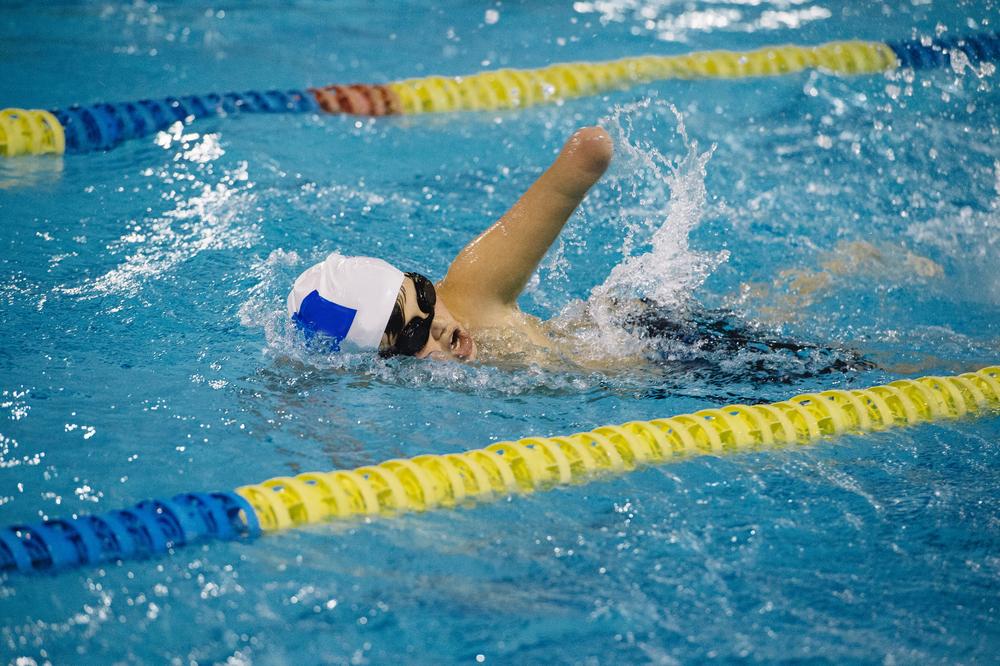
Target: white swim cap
(349, 299)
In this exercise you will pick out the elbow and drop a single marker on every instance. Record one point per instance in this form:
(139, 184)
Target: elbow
(583, 160)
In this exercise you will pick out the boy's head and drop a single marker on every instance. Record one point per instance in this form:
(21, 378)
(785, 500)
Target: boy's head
(366, 304)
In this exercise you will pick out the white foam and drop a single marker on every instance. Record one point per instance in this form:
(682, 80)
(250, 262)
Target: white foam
(660, 202)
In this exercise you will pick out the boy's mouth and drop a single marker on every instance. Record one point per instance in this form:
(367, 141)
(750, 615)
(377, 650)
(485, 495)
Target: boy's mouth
(462, 345)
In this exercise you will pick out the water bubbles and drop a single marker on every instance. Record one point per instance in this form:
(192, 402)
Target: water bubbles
(959, 61)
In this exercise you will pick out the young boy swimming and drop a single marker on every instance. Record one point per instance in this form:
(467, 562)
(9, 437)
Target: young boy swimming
(364, 303)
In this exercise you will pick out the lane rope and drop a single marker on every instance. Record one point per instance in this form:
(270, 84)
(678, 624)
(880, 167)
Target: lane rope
(96, 127)
(498, 470)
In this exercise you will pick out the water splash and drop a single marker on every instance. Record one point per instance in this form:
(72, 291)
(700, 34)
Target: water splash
(661, 201)
(668, 200)
(206, 216)
(264, 307)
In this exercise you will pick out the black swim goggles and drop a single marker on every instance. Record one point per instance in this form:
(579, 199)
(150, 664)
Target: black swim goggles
(409, 337)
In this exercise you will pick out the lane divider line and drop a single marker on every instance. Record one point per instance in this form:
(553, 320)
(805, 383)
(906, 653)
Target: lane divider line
(498, 470)
(96, 127)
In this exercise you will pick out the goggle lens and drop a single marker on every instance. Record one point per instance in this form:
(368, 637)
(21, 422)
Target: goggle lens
(412, 336)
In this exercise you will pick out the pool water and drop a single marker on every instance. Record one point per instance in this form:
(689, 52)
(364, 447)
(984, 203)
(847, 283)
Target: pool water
(146, 351)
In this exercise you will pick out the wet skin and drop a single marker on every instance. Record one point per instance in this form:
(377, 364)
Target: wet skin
(486, 278)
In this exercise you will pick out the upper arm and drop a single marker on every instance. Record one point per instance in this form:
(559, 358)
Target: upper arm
(493, 269)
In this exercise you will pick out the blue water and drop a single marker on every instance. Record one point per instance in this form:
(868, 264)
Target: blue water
(145, 350)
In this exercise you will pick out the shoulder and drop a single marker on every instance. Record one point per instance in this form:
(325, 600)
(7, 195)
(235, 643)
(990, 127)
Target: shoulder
(474, 307)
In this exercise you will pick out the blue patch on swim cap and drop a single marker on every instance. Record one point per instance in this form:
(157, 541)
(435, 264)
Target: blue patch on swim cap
(318, 315)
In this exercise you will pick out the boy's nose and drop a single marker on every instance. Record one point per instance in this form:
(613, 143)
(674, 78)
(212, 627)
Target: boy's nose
(438, 328)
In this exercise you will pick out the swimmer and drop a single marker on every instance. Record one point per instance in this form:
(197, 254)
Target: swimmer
(364, 303)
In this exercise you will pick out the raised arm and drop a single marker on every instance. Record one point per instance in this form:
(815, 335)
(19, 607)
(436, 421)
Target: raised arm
(493, 269)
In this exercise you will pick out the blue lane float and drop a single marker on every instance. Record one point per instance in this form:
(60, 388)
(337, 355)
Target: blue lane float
(102, 126)
(938, 52)
(150, 528)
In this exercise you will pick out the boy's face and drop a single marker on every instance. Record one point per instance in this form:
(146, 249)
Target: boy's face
(447, 338)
